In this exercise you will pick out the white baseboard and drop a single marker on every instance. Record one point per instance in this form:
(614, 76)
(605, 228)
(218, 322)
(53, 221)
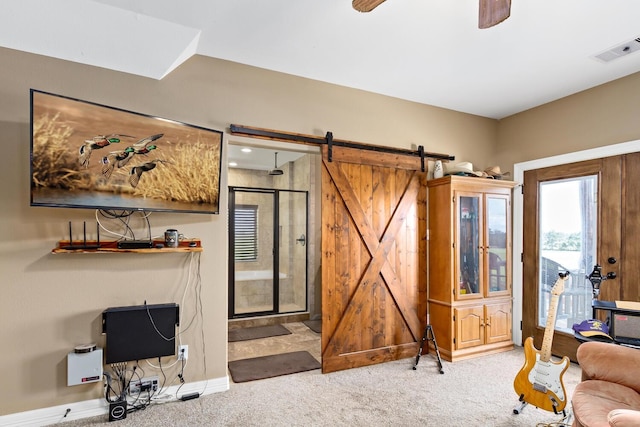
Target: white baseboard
(97, 407)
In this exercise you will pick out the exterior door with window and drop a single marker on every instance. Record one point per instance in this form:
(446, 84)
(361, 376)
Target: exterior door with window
(576, 216)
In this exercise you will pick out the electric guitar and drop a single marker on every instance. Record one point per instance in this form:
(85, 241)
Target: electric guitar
(539, 382)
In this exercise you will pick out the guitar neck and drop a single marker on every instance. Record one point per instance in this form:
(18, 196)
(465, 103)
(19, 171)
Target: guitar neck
(545, 351)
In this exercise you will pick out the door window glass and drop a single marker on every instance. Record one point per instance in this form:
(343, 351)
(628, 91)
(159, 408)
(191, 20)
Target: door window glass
(567, 239)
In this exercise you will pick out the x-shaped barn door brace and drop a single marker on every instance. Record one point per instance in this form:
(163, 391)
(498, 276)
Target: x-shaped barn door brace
(379, 250)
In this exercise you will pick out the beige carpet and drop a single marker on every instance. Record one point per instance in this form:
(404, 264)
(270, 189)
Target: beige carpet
(476, 392)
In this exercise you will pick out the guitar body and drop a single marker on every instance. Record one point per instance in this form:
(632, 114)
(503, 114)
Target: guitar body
(539, 383)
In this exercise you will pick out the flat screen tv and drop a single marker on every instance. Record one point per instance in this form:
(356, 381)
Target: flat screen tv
(140, 332)
(87, 155)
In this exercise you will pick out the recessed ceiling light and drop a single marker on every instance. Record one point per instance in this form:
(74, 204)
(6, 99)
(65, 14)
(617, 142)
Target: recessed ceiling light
(246, 150)
(233, 164)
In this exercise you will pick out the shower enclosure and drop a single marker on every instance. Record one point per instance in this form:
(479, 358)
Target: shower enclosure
(268, 251)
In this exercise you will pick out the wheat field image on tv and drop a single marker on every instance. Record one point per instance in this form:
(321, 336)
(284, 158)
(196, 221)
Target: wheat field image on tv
(94, 156)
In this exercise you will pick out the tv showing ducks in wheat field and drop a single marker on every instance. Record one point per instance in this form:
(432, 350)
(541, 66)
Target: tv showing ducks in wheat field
(88, 155)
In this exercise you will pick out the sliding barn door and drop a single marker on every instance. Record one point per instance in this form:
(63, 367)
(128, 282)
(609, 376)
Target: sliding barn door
(374, 285)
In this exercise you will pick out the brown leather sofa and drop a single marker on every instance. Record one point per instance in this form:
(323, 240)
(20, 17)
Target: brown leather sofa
(609, 394)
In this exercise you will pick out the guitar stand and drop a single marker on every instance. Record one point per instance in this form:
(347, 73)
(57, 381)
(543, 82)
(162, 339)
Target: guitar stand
(428, 335)
(518, 409)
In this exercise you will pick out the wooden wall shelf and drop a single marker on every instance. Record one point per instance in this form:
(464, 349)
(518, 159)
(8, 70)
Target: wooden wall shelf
(184, 246)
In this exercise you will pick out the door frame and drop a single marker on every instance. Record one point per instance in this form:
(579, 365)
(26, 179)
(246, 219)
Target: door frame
(518, 201)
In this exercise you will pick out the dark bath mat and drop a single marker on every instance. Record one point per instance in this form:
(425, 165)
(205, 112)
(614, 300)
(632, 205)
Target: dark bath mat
(259, 368)
(314, 325)
(255, 332)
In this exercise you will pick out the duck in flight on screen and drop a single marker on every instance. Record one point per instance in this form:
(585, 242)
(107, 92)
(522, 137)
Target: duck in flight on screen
(96, 143)
(137, 171)
(121, 158)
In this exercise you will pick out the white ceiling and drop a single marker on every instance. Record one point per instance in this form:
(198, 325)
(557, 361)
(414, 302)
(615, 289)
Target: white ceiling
(427, 51)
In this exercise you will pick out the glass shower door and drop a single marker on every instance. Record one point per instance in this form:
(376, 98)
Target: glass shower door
(292, 251)
(252, 222)
(268, 243)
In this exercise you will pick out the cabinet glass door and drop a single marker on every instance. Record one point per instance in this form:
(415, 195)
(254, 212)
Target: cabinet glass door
(469, 244)
(497, 244)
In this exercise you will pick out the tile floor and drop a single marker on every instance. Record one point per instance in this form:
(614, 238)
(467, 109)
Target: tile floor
(301, 339)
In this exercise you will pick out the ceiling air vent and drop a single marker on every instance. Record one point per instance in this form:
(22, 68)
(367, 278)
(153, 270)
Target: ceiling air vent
(619, 51)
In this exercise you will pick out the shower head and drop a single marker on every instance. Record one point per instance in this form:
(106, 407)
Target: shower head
(275, 170)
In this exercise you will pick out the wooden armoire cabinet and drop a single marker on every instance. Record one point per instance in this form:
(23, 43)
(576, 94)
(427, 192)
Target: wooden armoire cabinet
(469, 296)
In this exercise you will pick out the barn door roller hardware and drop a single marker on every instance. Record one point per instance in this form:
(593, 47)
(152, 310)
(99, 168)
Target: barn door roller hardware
(331, 142)
(329, 139)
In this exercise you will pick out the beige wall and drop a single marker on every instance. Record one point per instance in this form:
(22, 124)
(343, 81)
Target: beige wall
(51, 303)
(605, 115)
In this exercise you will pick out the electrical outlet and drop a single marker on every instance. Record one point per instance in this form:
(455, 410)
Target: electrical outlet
(148, 384)
(183, 352)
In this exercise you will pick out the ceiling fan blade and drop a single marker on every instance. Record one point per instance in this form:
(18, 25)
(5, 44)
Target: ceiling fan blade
(366, 5)
(493, 12)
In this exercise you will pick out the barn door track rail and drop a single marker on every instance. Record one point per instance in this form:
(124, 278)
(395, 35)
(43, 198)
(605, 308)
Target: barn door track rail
(330, 142)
